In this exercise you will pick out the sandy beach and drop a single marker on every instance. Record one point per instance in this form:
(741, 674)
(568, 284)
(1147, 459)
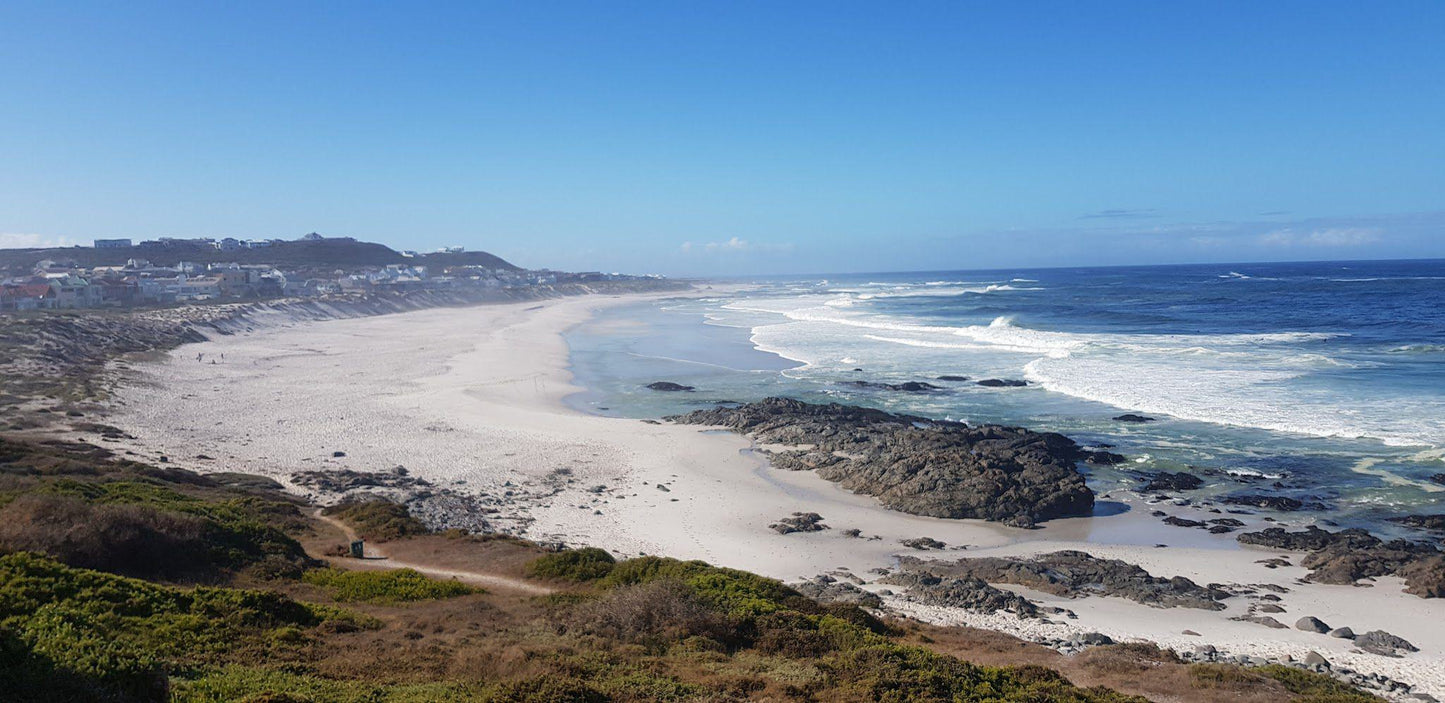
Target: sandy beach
(472, 399)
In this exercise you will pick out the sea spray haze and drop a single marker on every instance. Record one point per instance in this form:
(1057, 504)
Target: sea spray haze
(1319, 380)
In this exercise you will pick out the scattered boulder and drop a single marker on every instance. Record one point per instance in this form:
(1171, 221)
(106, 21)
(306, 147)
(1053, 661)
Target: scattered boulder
(668, 386)
(1384, 644)
(853, 532)
(337, 455)
(1315, 660)
(913, 464)
(1131, 417)
(1002, 383)
(1438, 478)
(1343, 633)
(953, 379)
(799, 522)
(1311, 624)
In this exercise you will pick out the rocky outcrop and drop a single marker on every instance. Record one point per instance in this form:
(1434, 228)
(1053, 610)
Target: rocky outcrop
(1421, 522)
(1166, 481)
(923, 543)
(1384, 644)
(1349, 555)
(799, 522)
(1074, 574)
(1002, 383)
(916, 465)
(907, 386)
(1281, 503)
(668, 387)
(827, 589)
(953, 379)
(1131, 417)
(967, 593)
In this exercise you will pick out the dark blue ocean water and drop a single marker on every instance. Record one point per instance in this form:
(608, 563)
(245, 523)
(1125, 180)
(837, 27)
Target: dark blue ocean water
(1314, 380)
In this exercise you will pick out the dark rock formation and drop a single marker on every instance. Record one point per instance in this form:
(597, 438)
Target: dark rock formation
(799, 522)
(1423, 522)
(907, 386)
(1131, 417)
(1384, 644)
(1281, 503)
(1102, 458)
(1002, 383)
(1165, 481)
(1265, 620)
(1075, 574)
(668, 386)
(1438, 478)
(923, 543)
(1349, 555)
(1343, 633)
(968, 593)
(1182, 522)
(1311, 624)
(953, 379)
(917, 465)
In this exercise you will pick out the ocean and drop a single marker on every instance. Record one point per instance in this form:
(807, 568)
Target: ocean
(1323, 382)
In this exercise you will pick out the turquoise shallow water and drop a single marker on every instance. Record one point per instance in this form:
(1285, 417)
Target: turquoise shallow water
(1323, 382)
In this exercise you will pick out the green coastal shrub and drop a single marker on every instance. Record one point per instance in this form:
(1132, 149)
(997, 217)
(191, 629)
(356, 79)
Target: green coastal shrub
(580, 565)
(377, 519)
(385, 586)
(109, 637)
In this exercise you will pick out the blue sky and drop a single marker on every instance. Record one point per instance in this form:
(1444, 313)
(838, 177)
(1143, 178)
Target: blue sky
(736, 137)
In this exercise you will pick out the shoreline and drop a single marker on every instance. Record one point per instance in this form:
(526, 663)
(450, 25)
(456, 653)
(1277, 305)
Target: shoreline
(473, 400)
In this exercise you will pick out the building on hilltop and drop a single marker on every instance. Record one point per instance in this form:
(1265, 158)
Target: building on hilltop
(112, 244)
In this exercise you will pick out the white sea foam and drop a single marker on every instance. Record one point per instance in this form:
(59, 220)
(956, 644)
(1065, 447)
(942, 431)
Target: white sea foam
(1257, 380)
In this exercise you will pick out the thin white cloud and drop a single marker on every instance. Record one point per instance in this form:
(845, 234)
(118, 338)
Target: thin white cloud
(18, 240)
(734, 245)
(1322, 238)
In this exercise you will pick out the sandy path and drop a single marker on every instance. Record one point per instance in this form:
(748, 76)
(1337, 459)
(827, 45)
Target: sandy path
(471, 399)
(377, 558)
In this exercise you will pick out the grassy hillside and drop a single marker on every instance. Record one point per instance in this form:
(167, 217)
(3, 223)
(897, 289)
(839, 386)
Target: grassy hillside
(126, 582)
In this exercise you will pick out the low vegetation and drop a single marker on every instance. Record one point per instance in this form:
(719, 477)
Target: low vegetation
(124, 583)
(389, 586)
(377, 519)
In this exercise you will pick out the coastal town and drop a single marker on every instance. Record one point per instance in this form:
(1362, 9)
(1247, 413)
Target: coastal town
(119, 273)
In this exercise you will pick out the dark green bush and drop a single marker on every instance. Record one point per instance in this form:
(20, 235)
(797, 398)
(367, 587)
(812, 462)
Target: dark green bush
(586, 564)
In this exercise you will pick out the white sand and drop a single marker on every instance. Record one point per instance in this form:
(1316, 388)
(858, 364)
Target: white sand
(475, 395)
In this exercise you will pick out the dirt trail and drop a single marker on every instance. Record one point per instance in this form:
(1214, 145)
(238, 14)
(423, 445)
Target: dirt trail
(376, 558)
